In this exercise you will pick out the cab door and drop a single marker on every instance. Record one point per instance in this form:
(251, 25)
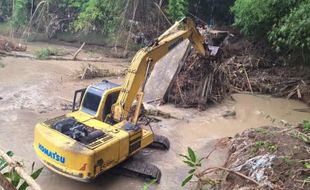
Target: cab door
(77, 99)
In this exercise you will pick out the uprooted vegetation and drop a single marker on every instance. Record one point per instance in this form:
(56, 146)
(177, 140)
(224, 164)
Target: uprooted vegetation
(262, 158)
(91, 71)
(8, 45)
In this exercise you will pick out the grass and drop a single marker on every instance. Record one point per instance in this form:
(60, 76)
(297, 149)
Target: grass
(269, 146)
(147, 185)
(45, 53)
(262, 131)
(288, 160)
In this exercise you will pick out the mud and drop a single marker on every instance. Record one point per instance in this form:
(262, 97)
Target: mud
(33, 91)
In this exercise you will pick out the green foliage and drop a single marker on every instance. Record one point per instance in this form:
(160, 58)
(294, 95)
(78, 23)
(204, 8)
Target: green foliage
(20, 16)
(14, 177)
(177, 9)
(284, 23)
(262, 131)
(147, 185)
(263, 144)
(288, 160)
(256, 18)
(303, 137)
(306, 126)
(3, 163)
(307, 165)
(292, 33)
(45, 53)
(193, 162)
(99, 15)
(34, 176)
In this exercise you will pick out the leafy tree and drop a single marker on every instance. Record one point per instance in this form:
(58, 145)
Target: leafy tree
(177, 9)
(99, 15)
(285, 23)
(20, 16)
(256, 18)
(292, 34)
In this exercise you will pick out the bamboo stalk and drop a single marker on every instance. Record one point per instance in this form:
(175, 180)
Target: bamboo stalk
(247, 77)
(19, 169)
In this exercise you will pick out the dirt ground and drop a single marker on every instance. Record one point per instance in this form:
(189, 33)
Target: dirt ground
(35, 90)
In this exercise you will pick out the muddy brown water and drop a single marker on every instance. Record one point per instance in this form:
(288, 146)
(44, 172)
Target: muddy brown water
(33, 91)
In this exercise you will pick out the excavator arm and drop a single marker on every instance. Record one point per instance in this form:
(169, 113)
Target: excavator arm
(147, 57)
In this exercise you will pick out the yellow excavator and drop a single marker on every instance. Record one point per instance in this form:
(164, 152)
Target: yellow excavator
(102, 131)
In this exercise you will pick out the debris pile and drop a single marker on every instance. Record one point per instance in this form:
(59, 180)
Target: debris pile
(7, 46)
(200, 81)
(251, 75)
(91, 71)
(239, 67)
(275, 158)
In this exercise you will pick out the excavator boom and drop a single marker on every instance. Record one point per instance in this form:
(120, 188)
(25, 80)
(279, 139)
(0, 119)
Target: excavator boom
(147, 57)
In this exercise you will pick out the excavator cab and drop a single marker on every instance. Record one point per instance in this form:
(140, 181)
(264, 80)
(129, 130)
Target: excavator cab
(96, 100)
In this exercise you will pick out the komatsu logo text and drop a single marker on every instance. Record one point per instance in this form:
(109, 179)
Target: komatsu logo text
(51, 154)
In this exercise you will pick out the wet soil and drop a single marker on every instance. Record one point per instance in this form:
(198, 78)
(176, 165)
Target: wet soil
(35, 90)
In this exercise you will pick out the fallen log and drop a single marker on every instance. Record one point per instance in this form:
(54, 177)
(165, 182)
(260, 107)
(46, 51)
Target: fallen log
(59, 58)
(17, 54)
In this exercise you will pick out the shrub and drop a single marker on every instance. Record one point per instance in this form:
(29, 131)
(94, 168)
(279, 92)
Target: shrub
(292, 34)
(256, 18)
(45, 53)
(284, 23)
(99, 15)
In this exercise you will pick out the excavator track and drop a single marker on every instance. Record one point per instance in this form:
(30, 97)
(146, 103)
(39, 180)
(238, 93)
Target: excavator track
(132, 167)
(160, 142)
(137, 167)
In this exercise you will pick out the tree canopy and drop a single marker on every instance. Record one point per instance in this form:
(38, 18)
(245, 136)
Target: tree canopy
(283, 23)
